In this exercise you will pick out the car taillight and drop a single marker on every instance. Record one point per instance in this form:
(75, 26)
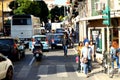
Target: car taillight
(15, 45)
(47, 40)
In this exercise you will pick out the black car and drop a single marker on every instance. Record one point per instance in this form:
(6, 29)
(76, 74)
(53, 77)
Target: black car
(9, 48)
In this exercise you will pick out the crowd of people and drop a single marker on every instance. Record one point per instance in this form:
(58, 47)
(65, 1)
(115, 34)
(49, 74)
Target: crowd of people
(86, 54)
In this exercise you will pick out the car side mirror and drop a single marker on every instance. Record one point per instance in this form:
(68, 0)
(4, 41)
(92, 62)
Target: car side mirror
(2, 59)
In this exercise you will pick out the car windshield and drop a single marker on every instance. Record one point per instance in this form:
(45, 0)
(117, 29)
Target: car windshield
(6, 41)
(58, 36)
(40, 38)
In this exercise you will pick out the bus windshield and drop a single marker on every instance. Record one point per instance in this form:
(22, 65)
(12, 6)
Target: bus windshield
(21, 21)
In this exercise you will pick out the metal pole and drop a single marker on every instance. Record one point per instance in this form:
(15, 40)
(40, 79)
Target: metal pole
(108, 39)
(108, 33)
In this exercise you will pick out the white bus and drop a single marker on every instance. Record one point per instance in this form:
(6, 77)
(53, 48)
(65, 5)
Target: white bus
(24, 27)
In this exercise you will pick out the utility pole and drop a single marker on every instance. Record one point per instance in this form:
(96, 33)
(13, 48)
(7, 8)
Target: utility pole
(107, 22)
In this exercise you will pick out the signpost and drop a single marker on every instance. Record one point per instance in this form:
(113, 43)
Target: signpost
(107, 22)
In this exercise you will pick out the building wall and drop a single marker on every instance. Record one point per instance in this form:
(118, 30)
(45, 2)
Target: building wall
(5, 9)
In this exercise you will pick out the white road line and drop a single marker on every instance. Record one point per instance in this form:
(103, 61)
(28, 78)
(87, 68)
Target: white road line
(43, 70)
(31, 61)
(24, 72)
(61, 71)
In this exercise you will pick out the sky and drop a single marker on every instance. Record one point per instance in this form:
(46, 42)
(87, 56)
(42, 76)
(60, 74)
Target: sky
(60, 2)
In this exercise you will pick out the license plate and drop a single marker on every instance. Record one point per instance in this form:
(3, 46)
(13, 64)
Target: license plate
(37, 55)
(59, 44)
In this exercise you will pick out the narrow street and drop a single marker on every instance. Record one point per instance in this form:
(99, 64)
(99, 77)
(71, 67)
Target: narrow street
(54, 66)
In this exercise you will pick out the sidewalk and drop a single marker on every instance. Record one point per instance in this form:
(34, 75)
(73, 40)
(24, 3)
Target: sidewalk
(98, 75)
(97, 70)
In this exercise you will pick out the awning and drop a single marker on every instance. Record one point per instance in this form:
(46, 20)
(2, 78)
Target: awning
(98, 17)
(91, 18)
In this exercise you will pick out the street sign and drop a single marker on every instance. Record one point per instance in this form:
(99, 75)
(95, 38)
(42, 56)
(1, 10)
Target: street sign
(106, 16)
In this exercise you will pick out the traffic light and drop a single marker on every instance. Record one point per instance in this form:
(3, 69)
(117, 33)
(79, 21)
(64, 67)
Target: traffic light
(106, 16)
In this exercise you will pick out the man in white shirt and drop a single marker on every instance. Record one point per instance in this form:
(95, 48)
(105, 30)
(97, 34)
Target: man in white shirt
(87, 53)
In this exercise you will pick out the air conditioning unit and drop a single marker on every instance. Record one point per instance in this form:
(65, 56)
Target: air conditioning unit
(99, 6)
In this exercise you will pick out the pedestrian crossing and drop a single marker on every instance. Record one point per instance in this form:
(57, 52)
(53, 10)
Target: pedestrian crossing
(43, 71)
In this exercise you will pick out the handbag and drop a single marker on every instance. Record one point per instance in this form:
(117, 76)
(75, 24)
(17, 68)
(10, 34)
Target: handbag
(84, 60)
(77, 59)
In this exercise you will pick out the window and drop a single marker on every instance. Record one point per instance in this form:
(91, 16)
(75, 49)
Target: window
(22, 21)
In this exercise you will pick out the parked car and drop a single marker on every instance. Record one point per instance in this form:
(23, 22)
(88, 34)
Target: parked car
(6, 68)
(9, 48)
(56, 40)
(43, 39)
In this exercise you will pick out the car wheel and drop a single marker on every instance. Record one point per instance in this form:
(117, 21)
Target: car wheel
(9, 75)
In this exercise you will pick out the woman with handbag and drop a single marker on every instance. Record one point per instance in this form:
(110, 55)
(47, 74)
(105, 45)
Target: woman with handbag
(86, 56)
(79, 48)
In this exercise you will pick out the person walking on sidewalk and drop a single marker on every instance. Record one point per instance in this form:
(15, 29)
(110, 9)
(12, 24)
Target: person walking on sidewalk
(85, 40)
(114, 51)
(93, 50)
(79, 48)
(86, 54)
(65, 44)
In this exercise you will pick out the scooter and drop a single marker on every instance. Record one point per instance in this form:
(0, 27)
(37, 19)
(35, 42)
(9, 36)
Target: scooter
(21, 49)
(37, 53)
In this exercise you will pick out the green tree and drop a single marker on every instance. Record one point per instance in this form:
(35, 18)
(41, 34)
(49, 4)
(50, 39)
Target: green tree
(57, 13)
(36, 8)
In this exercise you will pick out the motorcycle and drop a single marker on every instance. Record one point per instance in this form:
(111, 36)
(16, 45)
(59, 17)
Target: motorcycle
(37, 53)
(21, 49)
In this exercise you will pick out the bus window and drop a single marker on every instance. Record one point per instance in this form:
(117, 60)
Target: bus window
(22, 21)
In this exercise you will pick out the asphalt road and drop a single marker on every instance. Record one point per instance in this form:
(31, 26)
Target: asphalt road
(54, 66)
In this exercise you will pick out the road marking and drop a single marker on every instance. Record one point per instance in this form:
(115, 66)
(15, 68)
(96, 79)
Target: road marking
(24, 72)
(61, 71)
(43, 70)
(31, 61)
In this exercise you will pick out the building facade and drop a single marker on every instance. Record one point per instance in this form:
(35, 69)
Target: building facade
(90, 22)
(4, 11)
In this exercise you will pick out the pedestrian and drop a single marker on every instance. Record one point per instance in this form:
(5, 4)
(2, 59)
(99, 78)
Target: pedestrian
(79, 48)
(65, 44)
(93, 50)
(114, 51)
(85, 40)
(72, 36)
(86, 55)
